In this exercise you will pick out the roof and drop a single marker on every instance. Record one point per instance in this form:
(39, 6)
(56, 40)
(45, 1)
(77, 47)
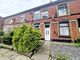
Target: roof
(39, 7)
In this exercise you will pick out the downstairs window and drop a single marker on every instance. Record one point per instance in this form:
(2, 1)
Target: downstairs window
(64, 29)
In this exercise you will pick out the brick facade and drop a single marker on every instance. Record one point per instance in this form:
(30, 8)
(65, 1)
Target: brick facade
(53, 18)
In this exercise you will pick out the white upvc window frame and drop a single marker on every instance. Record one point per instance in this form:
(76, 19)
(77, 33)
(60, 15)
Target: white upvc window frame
(37, 15)
(11, 21)
(22, 18)
(37, 25)
(63, 9)
(44, 14)
(64, 29)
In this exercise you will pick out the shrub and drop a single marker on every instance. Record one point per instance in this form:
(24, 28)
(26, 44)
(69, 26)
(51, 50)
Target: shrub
(1, 33)
(7, 37)
(77, 44)
(78, 40)
(25, 38)
(1, 46)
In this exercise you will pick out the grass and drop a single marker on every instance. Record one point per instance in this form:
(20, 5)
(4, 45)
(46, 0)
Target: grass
(75, 44)
(60, 56)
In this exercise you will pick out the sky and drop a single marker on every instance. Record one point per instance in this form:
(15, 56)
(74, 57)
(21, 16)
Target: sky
(10, 7)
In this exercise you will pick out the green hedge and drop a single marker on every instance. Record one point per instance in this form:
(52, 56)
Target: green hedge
(25, 38)
(7, 38)
(1, 33)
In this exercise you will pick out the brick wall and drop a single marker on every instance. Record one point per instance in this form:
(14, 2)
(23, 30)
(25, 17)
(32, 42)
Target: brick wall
(42, 28)
(74, 7)
(74, 30)
(54, 30)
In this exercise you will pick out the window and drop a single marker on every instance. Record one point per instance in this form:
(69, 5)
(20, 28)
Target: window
(37, 15)
(44, 14)
(7, 28)
(37, 25)
(22, 19)
(64, 29)
(62, 10)
(11, 21)
(47, 24)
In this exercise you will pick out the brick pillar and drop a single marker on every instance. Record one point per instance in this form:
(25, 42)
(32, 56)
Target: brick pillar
(54, 30)
(74, 30)
(42, 30)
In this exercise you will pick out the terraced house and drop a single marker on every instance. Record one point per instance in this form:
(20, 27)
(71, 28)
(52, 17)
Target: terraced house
(57, 21)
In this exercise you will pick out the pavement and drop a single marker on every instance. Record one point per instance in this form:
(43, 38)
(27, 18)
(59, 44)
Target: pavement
(42, 54)
(6, 54)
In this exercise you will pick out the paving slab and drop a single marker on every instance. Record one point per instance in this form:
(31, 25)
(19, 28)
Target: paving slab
(6, 54)
(21, 57)
(45, 48)
(4, 51)
(11, 53)
(2, 57)
(40, 56)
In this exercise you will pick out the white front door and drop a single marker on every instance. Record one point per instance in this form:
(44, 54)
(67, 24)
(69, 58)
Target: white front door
(47, 33)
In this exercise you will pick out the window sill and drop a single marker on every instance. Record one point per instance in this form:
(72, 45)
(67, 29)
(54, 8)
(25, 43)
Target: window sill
(41, 19)
(64, 15)
(64, 36)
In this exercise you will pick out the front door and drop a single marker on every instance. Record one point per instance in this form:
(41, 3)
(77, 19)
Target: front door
(47, 32)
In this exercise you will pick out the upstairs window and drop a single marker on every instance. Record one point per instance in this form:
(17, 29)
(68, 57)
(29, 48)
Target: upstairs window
(22, 18)
(37, 25)
(11, 21)
(37, 15)
(62, 10)
(44, 14)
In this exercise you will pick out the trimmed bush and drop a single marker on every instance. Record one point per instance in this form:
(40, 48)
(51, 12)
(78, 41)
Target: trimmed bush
(7, 38)
(25, 38)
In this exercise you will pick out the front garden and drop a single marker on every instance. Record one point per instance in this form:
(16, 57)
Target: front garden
(25, 40)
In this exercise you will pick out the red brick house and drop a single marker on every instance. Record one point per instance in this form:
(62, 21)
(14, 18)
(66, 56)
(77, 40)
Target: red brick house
(58, 20)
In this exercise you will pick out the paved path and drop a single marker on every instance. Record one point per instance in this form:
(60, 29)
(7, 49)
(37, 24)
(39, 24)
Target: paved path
(6, 54)
(42, 54)
(72, 52)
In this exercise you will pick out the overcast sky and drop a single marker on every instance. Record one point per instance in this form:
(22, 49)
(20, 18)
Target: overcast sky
(9, 7)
